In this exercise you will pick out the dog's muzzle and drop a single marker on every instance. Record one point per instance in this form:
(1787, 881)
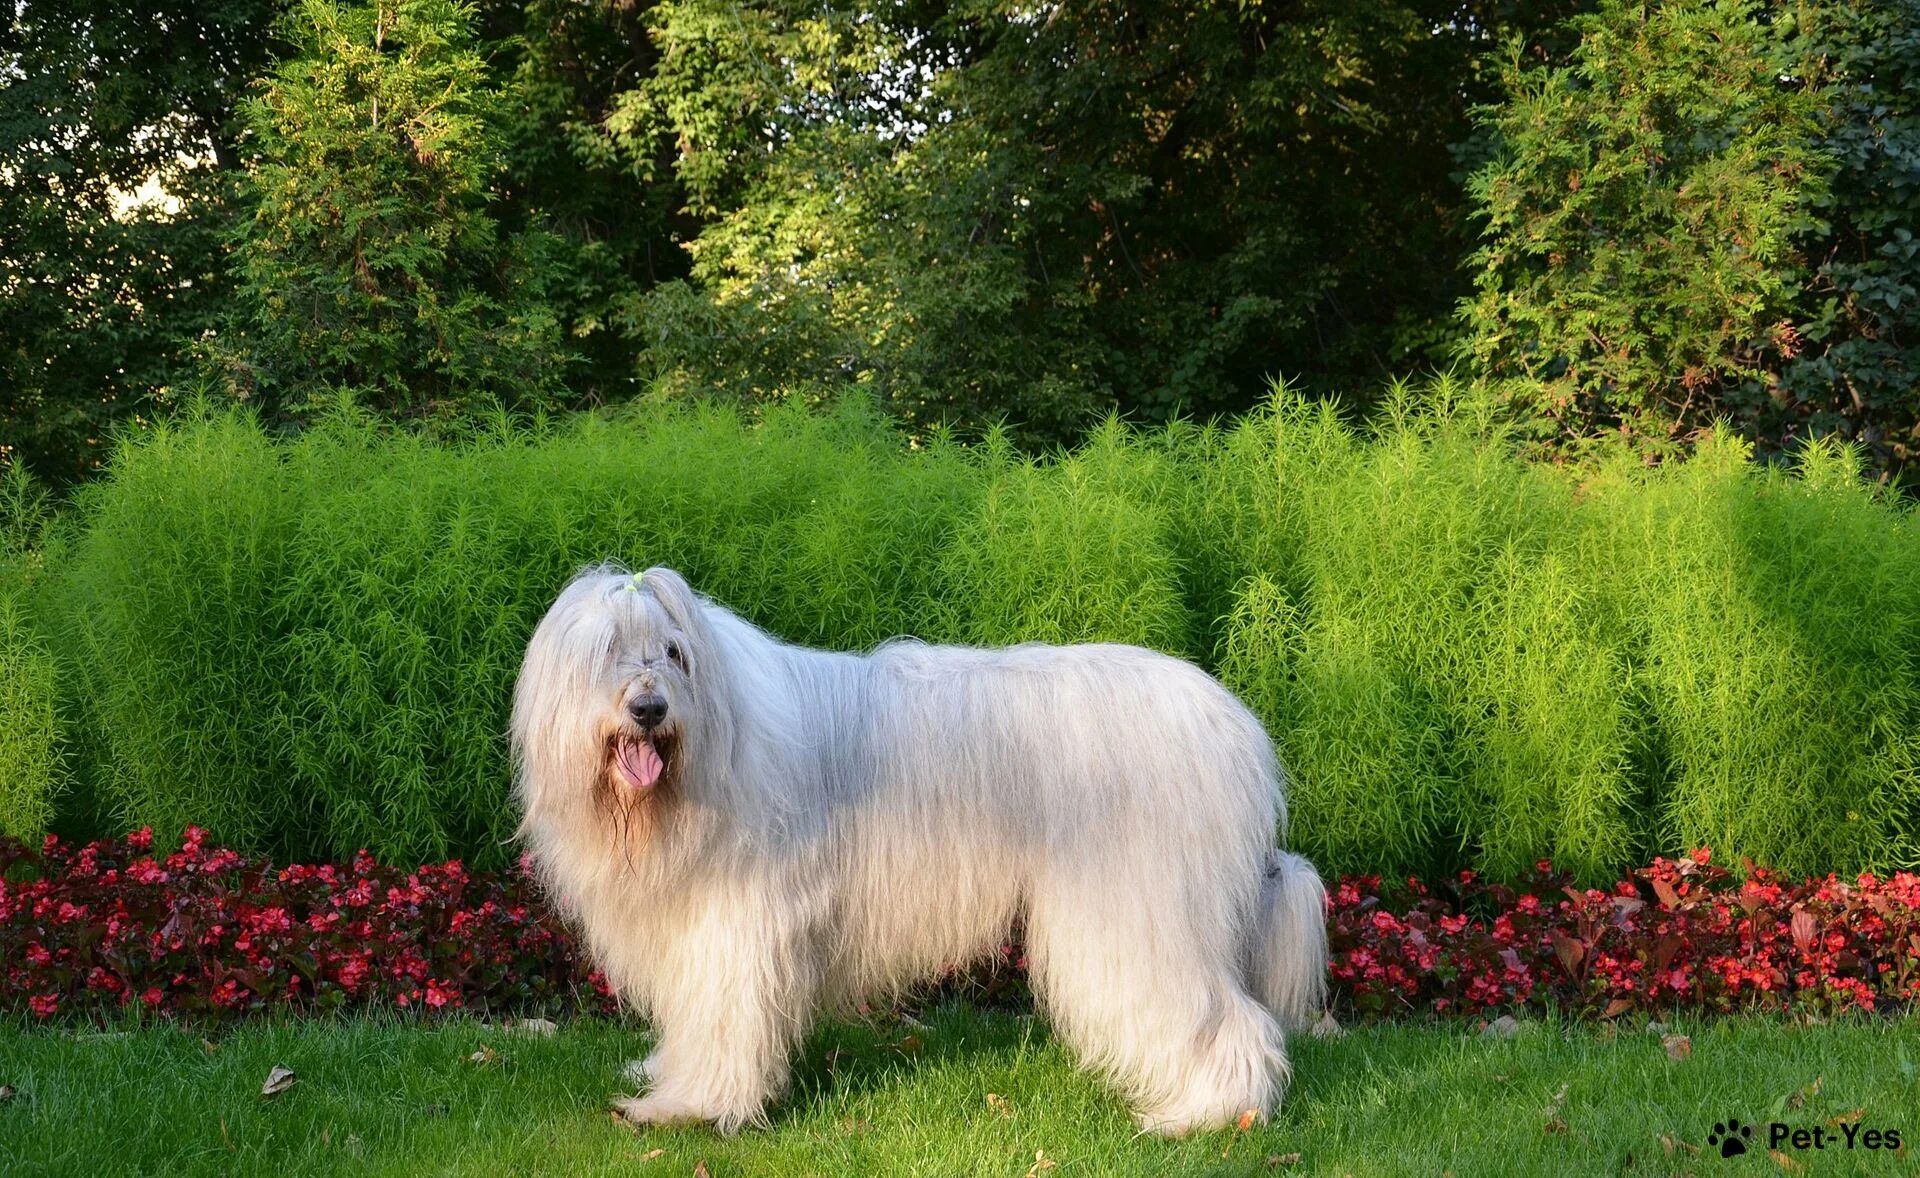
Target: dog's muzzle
(638, 757)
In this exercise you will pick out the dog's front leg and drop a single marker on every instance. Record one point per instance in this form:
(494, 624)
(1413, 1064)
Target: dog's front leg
(730, 1004)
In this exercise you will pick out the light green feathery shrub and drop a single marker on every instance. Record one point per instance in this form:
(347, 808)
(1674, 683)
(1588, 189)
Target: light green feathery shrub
(31, 763)
(1075, 549)
(1466, 659)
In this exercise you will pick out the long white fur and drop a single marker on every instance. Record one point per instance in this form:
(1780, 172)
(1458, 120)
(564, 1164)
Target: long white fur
(840, 825)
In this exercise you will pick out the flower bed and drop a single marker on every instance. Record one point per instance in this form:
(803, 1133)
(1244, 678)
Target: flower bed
(1680, 935)
(86, 931)
(209, 933)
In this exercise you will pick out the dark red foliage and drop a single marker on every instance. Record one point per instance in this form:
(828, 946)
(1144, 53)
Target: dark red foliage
(1680, 935)
(209, 934)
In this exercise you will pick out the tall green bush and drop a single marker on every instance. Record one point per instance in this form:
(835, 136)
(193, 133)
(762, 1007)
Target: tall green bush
(166, 605)
(1073, 550)
(34, 753)
(1640, 214)
(1466, 659)
(310, 646)
(418, 575)
(1424, 659)
(30, 727)
(1776, 622)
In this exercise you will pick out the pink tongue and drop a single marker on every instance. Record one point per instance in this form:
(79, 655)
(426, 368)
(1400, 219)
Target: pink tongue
(637, 761)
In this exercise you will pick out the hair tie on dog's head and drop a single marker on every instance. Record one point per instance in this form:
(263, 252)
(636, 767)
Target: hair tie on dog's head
(633, 585)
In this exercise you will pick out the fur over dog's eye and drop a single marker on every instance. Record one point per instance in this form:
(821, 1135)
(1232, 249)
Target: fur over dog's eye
(673, 652)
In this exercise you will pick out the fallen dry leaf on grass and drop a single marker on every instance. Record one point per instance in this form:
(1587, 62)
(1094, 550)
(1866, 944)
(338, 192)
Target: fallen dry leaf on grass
(700, 1170)
(1678, 1047)
(1799, 1098)
(1041, 1164)
(1327, 1028)
(1276, 1160)
(532, 1026)
(909, 1046)
(1669, 1143)
(6, 1093)
(999, 1104)
(1553, 1122)
(278, 1080)
(1241, 1126)
(484, 1056)
(652, 1154)
(1786, 1163)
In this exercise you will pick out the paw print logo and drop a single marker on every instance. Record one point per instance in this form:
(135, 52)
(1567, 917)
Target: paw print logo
(1731, 1136)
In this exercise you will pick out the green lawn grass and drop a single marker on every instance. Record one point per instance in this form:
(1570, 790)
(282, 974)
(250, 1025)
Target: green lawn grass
(389, 1097)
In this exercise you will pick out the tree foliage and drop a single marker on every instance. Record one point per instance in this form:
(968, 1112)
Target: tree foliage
(985, 209)
(1853, 364)
(604, 227)
(1706, 212)
(1644, 216)
(101, 293)
(372, 261)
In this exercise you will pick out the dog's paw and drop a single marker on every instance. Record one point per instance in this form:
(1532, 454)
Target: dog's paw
(1169, 1127)
(1179, 1122)
(658, 1110)
(661, 1108)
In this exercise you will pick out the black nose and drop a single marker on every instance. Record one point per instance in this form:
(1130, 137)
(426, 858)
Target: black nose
(648, 710)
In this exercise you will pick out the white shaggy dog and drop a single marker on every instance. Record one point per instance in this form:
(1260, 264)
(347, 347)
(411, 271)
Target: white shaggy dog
(748, 831)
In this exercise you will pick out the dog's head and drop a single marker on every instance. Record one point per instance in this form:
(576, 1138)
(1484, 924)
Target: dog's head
(609, 707)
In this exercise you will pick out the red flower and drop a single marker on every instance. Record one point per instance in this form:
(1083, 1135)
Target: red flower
(146, 871)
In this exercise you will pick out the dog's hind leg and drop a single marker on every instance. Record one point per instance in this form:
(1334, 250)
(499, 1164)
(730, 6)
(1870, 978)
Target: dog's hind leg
(1146, 987)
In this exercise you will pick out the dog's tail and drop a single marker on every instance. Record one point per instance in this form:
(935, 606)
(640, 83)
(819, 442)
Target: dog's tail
(1289, 950)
